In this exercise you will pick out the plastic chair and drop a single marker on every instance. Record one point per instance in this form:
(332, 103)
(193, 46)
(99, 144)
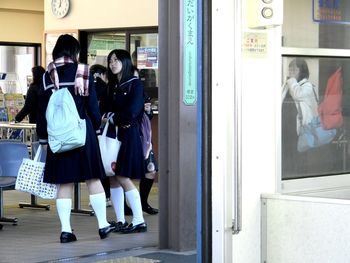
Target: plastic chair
(11, 156)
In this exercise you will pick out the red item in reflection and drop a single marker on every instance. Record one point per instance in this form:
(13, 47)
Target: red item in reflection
(330, 110)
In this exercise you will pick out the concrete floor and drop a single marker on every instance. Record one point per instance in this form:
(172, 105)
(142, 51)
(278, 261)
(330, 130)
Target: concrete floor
(36, 236)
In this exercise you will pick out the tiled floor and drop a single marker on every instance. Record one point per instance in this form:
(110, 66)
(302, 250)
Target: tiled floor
(36, 237)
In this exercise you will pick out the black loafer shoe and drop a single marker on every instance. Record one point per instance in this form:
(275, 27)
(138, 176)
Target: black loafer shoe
(67, 237)
(134, 229)
(119, 226)
(150, 210)
(103, 232)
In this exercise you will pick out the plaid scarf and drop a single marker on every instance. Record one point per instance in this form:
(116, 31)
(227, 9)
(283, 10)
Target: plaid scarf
(81, 82)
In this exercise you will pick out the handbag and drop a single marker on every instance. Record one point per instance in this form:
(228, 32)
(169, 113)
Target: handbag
(313, 135)
(30, 178)
(109, 148)
(151, 165)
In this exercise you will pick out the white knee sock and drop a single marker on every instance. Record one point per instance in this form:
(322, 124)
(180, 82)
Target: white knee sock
(98, 203)
(134, 201)
(117, 197)
(64, 207)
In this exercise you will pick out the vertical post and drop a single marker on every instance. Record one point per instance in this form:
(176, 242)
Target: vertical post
(177, 136)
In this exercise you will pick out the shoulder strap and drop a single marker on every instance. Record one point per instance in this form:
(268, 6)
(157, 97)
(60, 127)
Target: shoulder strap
(313, 89)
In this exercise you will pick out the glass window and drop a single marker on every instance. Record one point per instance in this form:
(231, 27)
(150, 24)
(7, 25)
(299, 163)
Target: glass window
(143, 47)
(328, 84)
(315, 114)
(16, 63)
(101, 43)
(316, 24)
(144, 50)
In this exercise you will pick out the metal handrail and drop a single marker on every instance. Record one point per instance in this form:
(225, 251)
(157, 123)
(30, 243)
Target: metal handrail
(237, 172)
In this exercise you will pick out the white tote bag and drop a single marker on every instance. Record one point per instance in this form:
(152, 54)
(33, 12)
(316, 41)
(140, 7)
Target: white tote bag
(30, 178)
(109, 148)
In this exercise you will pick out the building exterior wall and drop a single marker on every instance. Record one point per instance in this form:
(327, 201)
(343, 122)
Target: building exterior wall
(256, 80)
(22, 21)
(91, 14)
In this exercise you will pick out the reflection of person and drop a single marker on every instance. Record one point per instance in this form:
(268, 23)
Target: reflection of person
(299, 102)
(31, 103)
(304, 94)
(83, 163)
(125, 100)
(99, 73)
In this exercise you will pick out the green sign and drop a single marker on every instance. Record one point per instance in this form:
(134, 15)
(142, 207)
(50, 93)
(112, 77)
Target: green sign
(190, 52)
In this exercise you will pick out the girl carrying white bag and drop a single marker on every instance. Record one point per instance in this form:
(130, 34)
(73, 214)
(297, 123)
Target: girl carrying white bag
(109, 148)
(30, 178)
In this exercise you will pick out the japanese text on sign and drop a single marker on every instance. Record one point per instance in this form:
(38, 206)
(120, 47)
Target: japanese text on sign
(330, 11)
(254, 44)
(190, 52)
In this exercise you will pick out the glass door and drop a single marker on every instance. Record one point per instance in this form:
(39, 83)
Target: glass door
(101, 43)
(144, 51)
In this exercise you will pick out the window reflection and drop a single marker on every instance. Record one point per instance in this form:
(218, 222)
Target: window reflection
(331, 157)
(144, 50)
(304, 27)
(16, 63)
(101, 43)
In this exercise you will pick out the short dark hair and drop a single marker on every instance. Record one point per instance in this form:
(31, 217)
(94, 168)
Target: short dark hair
(128, 69)
(98, 68)
(67, 46)
(301, 64)
(38, 72)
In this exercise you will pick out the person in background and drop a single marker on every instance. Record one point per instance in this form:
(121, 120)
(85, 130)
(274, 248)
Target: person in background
(31, 103)
(82, 164)
(146, 183)
(99, 73)
(151, 168)
(125, 106)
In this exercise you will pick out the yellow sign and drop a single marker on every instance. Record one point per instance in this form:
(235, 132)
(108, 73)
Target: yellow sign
(254, 44)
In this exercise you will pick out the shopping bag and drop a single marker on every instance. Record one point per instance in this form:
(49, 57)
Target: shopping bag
(30, 178)
(109, 148)
(313, 135)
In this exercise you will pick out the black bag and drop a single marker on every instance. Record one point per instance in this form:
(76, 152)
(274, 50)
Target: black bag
(151, 165)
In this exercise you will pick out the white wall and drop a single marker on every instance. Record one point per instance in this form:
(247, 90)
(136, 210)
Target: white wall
(259, 84)
(305, 229)
(260, 102)
(92, 14)
(22, 21)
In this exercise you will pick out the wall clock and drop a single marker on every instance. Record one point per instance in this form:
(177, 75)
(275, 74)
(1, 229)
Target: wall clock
(60, 8)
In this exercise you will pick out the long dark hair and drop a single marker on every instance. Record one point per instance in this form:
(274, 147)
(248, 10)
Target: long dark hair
(302, 66)
(67, 46)
(128, 69)
(38, 72)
